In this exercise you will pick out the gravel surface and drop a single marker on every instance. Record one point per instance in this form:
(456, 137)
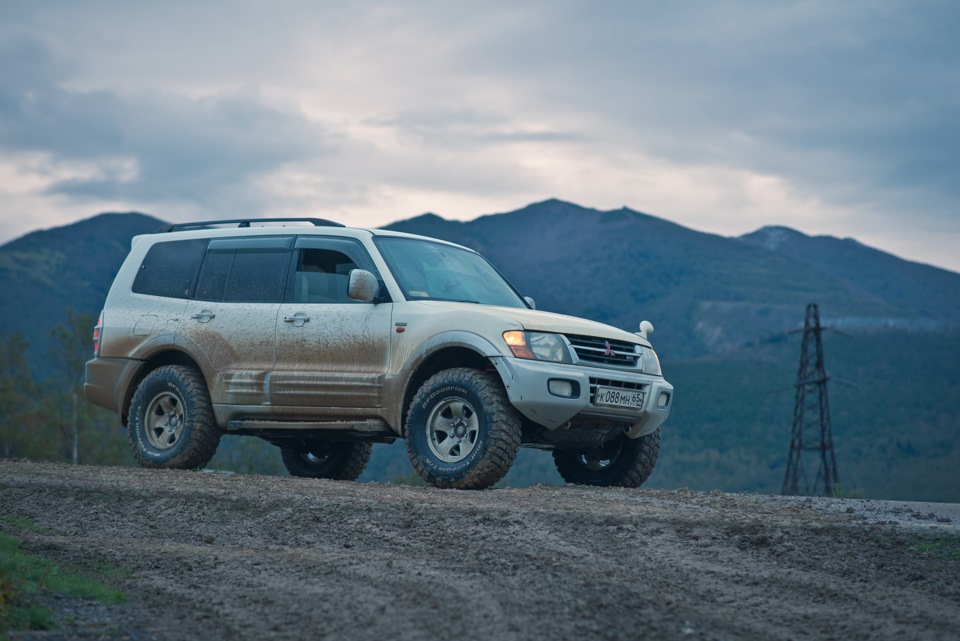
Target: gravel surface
(217, 556)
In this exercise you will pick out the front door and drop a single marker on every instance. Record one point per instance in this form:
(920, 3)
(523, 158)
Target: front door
(332, 351)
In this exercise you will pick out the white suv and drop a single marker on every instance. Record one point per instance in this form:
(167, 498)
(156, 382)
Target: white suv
(324, 339)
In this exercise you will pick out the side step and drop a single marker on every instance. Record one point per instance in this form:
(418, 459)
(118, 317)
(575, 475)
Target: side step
(370, 426)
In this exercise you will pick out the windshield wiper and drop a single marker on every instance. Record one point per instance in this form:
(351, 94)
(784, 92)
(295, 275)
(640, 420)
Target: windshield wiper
(448, 300)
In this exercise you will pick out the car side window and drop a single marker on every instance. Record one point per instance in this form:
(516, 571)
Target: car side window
(323, 276)
(257, 277)
(169, 268)
(244, 270)
(323, 269)
(214, 274)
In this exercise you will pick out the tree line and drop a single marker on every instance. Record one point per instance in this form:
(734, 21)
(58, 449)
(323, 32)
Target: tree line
(48, 418)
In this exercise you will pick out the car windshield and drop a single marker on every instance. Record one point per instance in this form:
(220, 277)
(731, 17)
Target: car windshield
(428, 270)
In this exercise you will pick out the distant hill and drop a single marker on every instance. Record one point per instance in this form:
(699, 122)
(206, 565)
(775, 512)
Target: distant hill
(704, 293)
(930, 291)
(45, 272)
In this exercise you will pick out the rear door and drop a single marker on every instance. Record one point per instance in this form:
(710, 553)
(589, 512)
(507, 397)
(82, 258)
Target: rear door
(332, 352)
(232, 319)
(150, 313)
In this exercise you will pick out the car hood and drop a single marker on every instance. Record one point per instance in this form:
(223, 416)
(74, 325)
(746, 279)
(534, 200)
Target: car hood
(536, 320)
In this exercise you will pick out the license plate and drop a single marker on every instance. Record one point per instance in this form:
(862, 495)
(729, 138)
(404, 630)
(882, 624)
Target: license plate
(615, 397)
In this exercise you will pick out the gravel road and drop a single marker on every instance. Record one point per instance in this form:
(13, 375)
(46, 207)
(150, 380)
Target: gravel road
(217, 556)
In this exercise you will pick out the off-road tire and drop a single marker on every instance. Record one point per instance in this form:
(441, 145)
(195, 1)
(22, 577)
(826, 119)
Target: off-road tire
(167, 393)
(337, 461)
(631, 461)
(492, 439)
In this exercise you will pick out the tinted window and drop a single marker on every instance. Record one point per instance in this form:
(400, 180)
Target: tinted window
(214, 274)
(257, 277)
(169, 268)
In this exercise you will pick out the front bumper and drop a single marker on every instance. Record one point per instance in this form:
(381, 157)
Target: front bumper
(527, 385)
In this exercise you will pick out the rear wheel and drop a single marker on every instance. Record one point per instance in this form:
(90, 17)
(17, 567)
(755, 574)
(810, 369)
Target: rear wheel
(462, 431)
(623, 462)
(171, 423)
(327, 460)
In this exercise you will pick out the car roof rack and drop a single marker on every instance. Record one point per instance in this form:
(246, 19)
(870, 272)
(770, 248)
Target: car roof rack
(245, 222)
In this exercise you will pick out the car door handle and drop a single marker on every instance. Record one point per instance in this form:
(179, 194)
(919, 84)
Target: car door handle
(297, 319)
(204, 316)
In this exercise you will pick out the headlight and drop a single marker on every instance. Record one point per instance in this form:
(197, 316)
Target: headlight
(539, 346)
(651, 364)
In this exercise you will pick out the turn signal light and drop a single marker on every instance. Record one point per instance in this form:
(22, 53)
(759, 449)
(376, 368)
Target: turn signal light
(517, 342)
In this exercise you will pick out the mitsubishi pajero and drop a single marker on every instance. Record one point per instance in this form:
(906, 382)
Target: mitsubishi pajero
(324, 339)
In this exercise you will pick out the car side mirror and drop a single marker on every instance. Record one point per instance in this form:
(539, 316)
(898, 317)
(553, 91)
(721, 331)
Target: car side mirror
(646, 327)
(532, 303)
(363, 286)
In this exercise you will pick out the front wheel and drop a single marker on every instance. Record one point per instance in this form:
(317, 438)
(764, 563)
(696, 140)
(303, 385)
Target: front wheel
(171, 423)
(325, 460)
(623, 462)
(462, 431)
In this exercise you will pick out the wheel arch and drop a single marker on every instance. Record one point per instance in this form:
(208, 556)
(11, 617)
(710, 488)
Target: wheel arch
(442, 359)
(166, 357)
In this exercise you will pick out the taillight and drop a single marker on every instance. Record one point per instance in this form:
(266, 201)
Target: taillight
(96, 336)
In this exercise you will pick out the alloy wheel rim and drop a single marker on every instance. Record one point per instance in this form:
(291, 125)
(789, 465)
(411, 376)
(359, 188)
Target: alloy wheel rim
(594, 463)
(601, 459)
(453, 429)
(164, 420)
(317, 455)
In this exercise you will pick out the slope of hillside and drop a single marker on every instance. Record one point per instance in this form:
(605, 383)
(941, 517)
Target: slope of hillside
(931, 291)
(45, 272)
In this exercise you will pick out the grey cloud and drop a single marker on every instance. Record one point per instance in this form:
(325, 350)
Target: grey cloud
(203, 150)
(852, 102)
(469, 128)
(772, 87)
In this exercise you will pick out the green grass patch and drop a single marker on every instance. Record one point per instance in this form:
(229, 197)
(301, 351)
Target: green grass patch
(840, 492)
(21, 522)
(26, 579)
(944, 547)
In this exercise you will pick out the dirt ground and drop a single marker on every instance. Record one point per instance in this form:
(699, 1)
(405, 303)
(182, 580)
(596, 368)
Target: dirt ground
(217, 556)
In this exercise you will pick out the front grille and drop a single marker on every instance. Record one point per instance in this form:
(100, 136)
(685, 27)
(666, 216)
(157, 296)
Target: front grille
(606, 382)
(605, 352)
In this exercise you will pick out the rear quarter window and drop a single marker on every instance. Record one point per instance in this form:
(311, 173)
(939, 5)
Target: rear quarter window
(169, 268)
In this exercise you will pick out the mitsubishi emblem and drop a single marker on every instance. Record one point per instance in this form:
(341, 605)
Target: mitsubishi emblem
(609, 351)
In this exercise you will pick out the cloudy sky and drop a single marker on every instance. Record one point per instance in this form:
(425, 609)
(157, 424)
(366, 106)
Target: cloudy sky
(838, 118)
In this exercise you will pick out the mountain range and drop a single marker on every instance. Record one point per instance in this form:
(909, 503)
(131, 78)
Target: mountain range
(704, 293)
(723, 309)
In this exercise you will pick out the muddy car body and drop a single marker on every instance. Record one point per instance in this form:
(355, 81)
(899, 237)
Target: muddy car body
(324, 339)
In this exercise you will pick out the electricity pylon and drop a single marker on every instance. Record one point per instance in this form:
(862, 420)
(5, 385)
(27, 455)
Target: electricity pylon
(811, 417)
